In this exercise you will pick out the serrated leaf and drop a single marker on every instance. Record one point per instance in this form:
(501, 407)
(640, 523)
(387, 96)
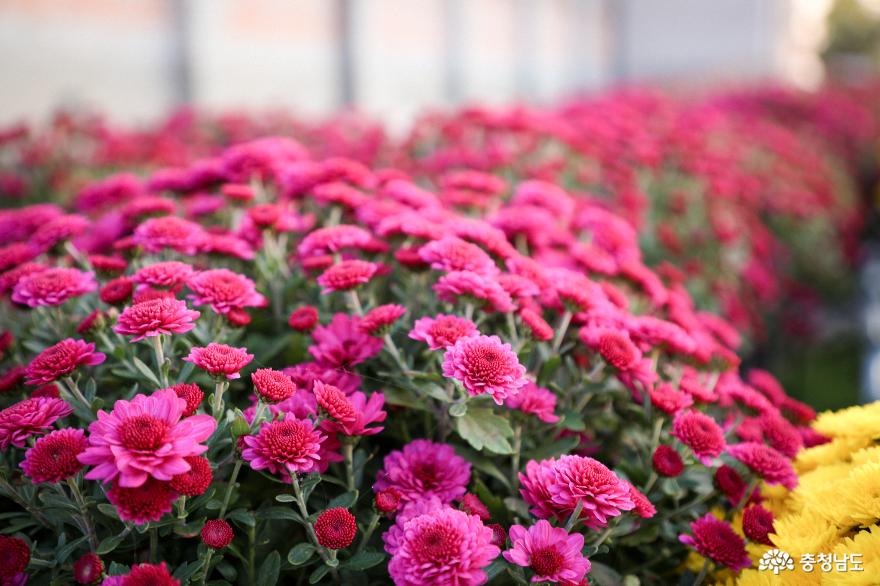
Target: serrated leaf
(145, 371)
(363, 560)
(483, 429)
(269, 570)
(345, 500)
(300, 554)
(109, 544)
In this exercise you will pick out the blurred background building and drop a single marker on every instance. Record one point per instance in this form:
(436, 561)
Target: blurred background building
(137, 58)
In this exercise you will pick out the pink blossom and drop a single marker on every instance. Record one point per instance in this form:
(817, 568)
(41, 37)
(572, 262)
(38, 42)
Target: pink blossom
(155, 317)
(348, 274)
(219, 359)
(61, 359)
(52, 287)
(442, 331)
(536, 401)
(183, 236)
(224, 290)
(284, 447)
(30, 417)
(483, 364)
(366, 412)
(333, 239)
(171, 274)
(451, 253)
(474, 288)
(551, 553)
(424, 469)
(341, 343)
(145, 437)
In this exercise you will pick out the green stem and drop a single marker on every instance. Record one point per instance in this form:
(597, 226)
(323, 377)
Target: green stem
(561, 329)
(575, 514)
(207, 565)
(181, 509)
(252, 546)
(354, 303)
(229, 486)
(217, 405)
(703, 573)
(515, 458)
(605, 535)
(160, 359)
(35, 513)
(71, 387)
(395, 353)
(88, 526)
(348, 454)
(304, 512)
(374, 522)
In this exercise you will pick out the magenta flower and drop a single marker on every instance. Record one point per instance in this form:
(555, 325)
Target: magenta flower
(342, 343)
(60, 360)
(171, 232)
(700, 433)
(346, 275)
(366, 412)
(442, 331)
(716, 540)
(474, 288)
(424, 469)
(483, 364)
(766, 462)
(154, 317)
(451, 253)
(378, 321)
(52, 287)
(144, 438)
(551, 553)
(219, 360)
(224, 290)
(30, 417)
(171, 274)
(443, 547)
(333, 239)
(284, 447)
(54, 456)
(536, 401)
(555, 487)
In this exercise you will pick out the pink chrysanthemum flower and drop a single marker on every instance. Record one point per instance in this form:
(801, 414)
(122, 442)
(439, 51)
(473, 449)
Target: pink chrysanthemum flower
(346, 275)
(171, 274)
(171, 232)
(451, 253)
(550, 552)
(716, 540)
(30, 417)
(588, 481)
(52, 287)
(155, 317)
(483, 364)
(536, 401)
(284, 447)
(60, 360)
(669, 399)
(54, 456)
(333, 239)
(58, 230)
(272, 386)
(424, 469)
(445, 547)
(644, 508)
(224, 290)
(15, 254)
(476, 288)
(144, 438)
(618, 350)
(142, 504)
(341, 343)
(700, 433)
(333, 401)
(9, 279)
(378, 321)
(366, 412)
(766, 462)
(538, 326)
(442, 331)
(219, 360)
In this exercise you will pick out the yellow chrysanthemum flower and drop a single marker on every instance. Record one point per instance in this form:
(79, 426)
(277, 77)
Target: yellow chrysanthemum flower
(805, 532)
(838, 450)
(856, 500)
(866, 544)
(862, 421)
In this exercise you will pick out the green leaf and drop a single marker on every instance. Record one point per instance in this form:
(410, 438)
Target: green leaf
(187, 570)
(483, 464)
(345, 500)
(242, 516)
(63, 552)
(363, 560)
(300, 554)
(308, 485)
(269, 570)
(401, 397)
(548, 369)
(279, 513)
(109, 544)
(108, 510)
(458, 409)
(145, 371)
(285, 498)
(319, 573)
(602, 575)
(496, 567)
(483, 429)
(436, 392)
(574, 421)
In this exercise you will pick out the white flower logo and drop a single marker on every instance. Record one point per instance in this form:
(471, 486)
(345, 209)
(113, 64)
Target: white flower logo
(776, 560)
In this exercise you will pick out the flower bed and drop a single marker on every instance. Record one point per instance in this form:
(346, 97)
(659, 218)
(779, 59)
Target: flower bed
(265, 365)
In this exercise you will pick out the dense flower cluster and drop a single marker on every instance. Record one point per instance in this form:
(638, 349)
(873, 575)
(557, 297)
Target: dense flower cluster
(447, 361)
